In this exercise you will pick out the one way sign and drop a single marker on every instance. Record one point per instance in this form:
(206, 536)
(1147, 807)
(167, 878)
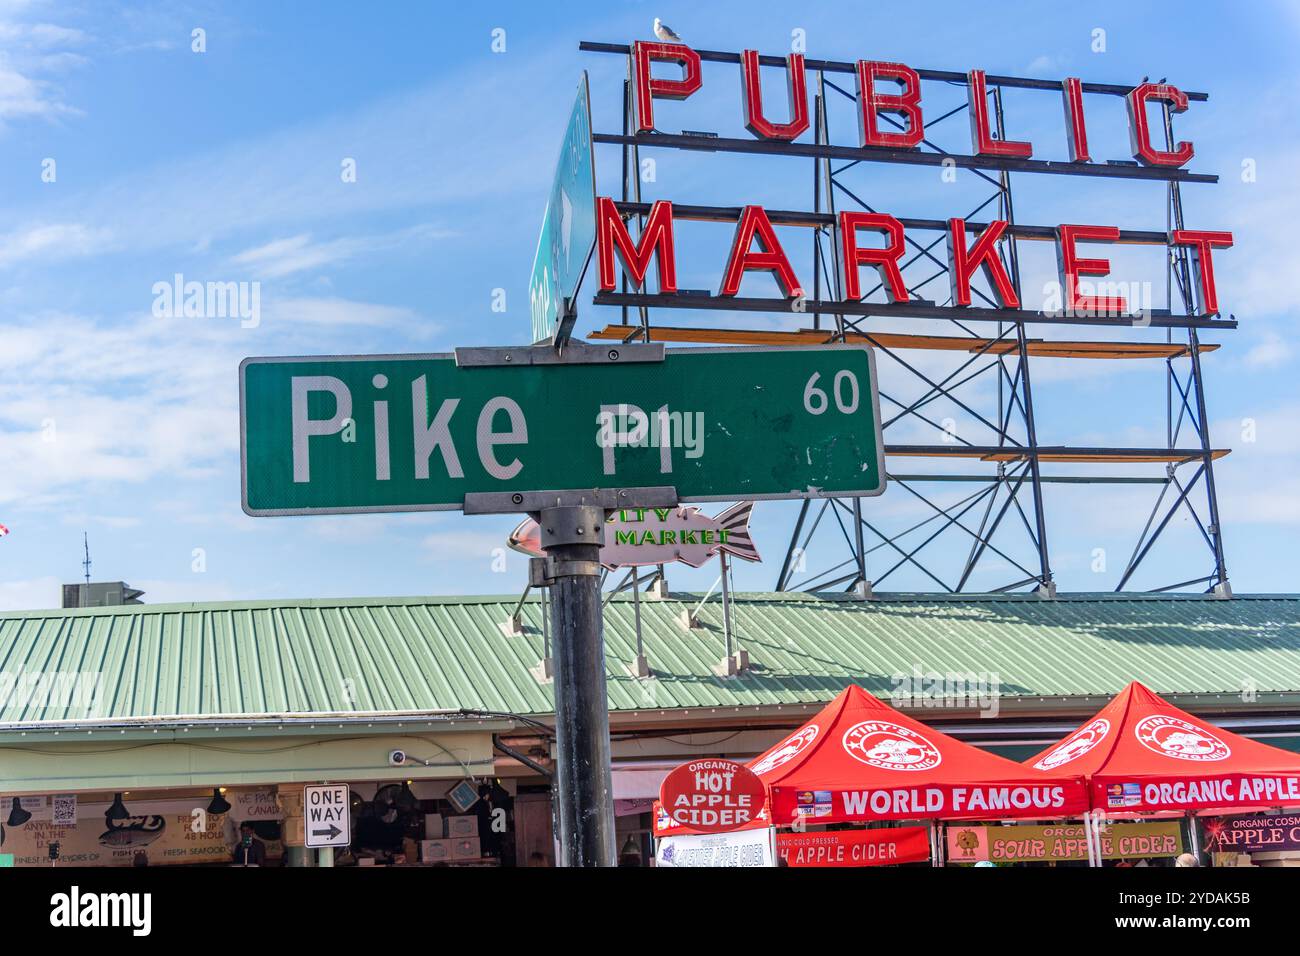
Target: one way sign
(327, 822)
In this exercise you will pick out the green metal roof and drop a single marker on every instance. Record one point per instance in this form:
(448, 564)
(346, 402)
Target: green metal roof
(263, 659)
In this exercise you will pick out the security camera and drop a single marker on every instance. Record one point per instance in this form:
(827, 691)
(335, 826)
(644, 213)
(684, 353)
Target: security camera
(396, 758)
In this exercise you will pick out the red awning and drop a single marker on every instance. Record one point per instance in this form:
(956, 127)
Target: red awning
(1140, 754)
(860, 759)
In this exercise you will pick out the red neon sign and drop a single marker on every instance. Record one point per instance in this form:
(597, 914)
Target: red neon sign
(756, 246)
(752, 97)
(1076, 133)
(982, 141)
(871, 103)
(963, 262)
(1072, 266)
(656, 242)
(771, 258)
(884, 260)
(906, 103)
(1139, 127)
(1202, 242)
(647, 87)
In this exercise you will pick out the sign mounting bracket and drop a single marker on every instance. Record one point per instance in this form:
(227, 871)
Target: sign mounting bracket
(574, 353)
(532, 502)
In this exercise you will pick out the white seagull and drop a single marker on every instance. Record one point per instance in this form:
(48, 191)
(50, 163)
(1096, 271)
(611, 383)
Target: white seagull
(664, 32)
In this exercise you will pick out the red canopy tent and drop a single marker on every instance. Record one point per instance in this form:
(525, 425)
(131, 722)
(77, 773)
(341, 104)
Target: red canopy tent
(860, 759)
(1142, 754)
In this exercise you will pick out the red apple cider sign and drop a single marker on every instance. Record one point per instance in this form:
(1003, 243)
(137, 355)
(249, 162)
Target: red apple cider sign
(712, 796)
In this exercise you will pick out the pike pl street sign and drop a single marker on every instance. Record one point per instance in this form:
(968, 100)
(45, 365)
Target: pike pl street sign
(345, 434)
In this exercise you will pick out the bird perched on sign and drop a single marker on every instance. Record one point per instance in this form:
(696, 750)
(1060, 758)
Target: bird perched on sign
(664, 32)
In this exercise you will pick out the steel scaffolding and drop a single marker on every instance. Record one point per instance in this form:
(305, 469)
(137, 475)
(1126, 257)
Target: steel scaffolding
(956, 542)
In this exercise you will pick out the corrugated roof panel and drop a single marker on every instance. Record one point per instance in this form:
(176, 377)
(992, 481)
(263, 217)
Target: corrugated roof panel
(410, 654)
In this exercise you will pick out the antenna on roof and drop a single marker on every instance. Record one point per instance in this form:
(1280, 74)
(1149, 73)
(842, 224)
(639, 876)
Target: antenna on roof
(85, 540)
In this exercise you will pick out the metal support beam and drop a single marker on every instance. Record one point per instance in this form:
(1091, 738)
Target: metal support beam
(572, 537)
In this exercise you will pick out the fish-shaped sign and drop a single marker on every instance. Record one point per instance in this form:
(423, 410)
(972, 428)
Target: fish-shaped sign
(140, 831)
(635, 537)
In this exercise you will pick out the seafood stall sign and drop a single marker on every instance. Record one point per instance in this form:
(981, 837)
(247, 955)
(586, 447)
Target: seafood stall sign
(636, 537)
(712, 796)
(165, 837)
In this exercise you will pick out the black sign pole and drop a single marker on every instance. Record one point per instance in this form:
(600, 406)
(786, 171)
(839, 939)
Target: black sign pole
(572, 537)
(572, 526)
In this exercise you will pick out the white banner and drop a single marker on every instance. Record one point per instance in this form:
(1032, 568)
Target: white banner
(255, 805)
(737, 848)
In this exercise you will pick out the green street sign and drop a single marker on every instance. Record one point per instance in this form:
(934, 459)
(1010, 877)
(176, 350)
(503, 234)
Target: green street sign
(343, 434)
(568, 225)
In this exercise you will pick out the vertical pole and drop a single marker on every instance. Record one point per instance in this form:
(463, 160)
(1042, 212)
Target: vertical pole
(1193, 839)
(1194, 356)
(1087, 837)
(572, 537)
(636, 611)
(325, 856)
(546, 625)
(828, 184)
(837, 269)
(817, 204)
(1031, 432)
(726, 604)
(640, 667)
(861, 586)
(626, 151)
(787, 566)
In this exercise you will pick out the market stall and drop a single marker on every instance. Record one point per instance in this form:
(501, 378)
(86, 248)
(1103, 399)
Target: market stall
(1142, 756)
(860, 760)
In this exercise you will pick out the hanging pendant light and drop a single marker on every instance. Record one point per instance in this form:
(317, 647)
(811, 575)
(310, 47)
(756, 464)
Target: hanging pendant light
(17, 815)
(117, 811)
(219, 804)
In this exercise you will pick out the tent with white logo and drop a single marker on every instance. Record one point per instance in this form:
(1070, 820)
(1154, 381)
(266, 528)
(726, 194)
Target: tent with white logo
(1141, 754)
(861, 760)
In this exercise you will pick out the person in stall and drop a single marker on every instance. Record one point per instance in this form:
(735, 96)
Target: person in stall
(249, 851)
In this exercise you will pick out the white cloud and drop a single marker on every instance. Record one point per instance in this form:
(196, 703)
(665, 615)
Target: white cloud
(340, 312)
(1043, 64)
(115, 522)
(43, 35)
(290, 180)
(197, 587)
(136, 399)
(31, 594)
(28, 50)
(463, 546)
(52, 241)
(282, 257)
(1272, 351)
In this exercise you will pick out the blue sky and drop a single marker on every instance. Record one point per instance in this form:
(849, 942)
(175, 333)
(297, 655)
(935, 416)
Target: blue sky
(225, 166)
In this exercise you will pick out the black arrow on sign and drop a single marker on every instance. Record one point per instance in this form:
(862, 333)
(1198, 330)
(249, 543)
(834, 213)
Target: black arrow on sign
(330, 834)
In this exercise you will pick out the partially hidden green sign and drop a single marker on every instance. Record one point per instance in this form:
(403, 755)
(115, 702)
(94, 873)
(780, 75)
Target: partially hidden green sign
(345, 434)
(568, 225)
